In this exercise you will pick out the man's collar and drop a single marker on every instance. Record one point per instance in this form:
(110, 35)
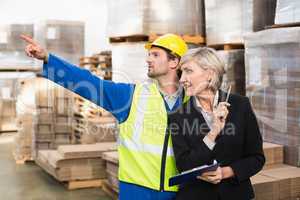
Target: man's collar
(174, 95)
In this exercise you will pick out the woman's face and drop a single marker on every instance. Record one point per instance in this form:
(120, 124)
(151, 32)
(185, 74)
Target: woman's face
(194, 79)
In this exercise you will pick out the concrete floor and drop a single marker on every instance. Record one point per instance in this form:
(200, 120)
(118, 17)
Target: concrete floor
(30, 182)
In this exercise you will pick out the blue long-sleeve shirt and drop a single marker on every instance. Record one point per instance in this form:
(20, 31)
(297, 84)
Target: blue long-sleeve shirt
(113, 97)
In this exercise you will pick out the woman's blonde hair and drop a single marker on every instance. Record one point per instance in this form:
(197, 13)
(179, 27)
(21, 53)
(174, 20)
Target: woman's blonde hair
(207, 58)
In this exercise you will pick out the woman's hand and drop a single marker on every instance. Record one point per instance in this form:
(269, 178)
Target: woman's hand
(219, 118)
(220, 115)
(213, 177)
(217, 176)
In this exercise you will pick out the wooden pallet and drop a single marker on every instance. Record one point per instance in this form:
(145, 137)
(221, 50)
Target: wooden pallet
(20, 69)
(191, 39)
(131, 38)
(111, 192)
(283, 25)
(24, 160)
(227, 46)
(104, 65)
(88, 60)
(79, 129)
(74, 185)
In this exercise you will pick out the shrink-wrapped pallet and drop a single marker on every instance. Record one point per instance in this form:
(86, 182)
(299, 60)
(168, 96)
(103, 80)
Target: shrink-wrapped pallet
(12, 55)
(235, 70)
(112, 168)
(140, 17)
(287, 11)
(25, 108)
(129, 62)
(272, 83)
(64, 38)
(228, 21)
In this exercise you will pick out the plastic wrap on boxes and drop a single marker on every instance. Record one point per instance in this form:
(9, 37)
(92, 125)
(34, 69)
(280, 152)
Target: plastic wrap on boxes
(227, 21)
(129, 62)
(136, 17)
(273, 85)
(15, 30)
(44, 93)
(7, 102)
(25, 107)
(22, 145)
(12, 55)
(235, 70)
(64, 38)
(25, 96)
(8, 86)
(50, 123)
(8, 115)
(112, 166)
(8, 96)
(287, 11)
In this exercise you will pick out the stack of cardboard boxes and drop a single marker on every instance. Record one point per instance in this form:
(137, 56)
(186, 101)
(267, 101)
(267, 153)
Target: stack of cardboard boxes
(277, 181)
(112, 167)
(63, 38)
(272, 74)
(53, 119)
(25, 108)
(75, 162)
(12, 55)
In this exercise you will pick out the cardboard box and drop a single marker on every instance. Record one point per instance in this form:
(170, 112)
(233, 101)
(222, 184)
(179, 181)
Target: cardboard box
(289, 181)
(273, 153)
(265, 188)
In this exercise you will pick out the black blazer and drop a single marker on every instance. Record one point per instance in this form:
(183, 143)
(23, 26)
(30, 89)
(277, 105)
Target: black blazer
(238, 146)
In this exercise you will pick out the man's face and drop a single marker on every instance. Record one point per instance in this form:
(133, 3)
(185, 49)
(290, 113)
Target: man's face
(158, 63)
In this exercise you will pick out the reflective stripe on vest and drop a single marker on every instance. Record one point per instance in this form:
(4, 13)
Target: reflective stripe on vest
(135, 143)
(146, 148)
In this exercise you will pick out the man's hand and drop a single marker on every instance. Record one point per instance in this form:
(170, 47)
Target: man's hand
(33, 49)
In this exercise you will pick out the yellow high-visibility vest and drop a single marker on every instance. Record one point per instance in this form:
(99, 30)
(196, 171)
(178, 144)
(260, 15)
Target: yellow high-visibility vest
(141, 142)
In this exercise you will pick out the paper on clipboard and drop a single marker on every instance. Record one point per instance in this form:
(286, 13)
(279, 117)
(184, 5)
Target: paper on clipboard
(192, 174)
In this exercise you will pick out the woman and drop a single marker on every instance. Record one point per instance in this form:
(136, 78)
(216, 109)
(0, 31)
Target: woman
(207, 128)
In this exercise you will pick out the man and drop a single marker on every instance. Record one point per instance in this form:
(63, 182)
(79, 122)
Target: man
(146, 159)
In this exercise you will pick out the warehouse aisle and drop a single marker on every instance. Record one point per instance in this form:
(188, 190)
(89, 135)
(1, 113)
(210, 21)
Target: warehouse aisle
(30, 182)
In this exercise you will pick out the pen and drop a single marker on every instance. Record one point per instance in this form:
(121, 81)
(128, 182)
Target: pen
(228, 92)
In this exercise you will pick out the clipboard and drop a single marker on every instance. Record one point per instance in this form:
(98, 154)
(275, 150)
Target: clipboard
(192, 174)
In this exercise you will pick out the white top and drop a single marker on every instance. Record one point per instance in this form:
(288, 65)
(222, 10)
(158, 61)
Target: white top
(208, 117)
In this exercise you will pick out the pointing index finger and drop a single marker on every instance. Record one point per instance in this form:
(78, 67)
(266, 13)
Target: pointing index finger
(28, 39)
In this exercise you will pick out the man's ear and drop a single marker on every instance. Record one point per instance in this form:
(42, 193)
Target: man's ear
(174, 63)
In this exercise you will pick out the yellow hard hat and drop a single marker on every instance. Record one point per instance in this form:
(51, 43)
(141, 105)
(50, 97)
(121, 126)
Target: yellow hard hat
(172, 42)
